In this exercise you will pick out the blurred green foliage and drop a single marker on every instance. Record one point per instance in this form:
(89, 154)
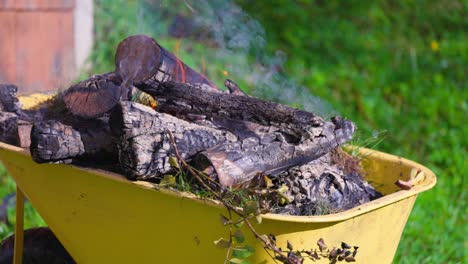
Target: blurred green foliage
(398, 66)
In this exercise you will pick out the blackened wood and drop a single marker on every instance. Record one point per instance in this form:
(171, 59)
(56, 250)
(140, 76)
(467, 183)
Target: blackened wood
(93, 97)
(323, 187)
(144, 146)
(8, 100)
(9, 128)
(238, 162)
(53, 141)
(180, 98)
(141, 60)
(233, 87)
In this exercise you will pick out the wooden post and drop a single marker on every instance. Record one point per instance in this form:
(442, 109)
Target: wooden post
(19, 227)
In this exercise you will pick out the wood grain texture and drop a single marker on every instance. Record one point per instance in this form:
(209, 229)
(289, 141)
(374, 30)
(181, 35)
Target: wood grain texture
(144, 146)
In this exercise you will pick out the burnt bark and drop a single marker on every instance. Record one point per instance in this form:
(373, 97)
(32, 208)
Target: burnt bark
(322, 187)
(143, 144)
(184, 99)
(140, 60)
(9, 128)
(93, 97)
(238, 162)
(8, 100)
(53, 141)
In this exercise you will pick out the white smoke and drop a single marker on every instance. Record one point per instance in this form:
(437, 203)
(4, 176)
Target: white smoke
(239, 46)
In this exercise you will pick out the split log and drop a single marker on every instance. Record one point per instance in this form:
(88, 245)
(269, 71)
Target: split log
(179, 98)
(53, 141)
(238, 162)
(95, 96)
(139, 60)
(143, 144)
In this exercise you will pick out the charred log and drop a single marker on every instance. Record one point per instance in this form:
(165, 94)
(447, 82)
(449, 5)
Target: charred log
(9, 128)
(143, 144)
(323, 187)
(95, 96)
(141, 60)
(238, 162)
(53, 141)
(8, 100)
(183, 99)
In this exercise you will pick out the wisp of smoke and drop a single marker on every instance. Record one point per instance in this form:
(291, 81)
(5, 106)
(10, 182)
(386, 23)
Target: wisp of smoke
(238, 42)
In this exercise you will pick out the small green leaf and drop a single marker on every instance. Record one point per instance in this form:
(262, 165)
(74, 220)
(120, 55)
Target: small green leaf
(239, 224)
(168, 180)
(259, 219)
(174, 162)
(250, 207)
(239, 236)
(283, 189)
(224, 220)
(241, 253)
(268, 182)
(250, 248)
(222, 243)
(236, 261)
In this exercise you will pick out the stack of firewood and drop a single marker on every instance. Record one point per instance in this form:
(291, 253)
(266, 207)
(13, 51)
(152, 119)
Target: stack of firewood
(229, 135)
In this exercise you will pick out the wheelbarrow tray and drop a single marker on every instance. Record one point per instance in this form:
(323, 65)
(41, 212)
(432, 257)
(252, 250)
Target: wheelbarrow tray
(101, 217)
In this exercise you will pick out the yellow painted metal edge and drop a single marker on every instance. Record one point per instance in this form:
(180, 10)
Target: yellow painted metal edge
(428, 183)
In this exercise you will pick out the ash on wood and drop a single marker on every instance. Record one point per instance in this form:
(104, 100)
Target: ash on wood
(141, 60)
(238, 162)
(9, 128)
(231, 136)
(182, 99)
(322, 187)
(143, 144)
(53, 141)
(93, 97)
(8, 100)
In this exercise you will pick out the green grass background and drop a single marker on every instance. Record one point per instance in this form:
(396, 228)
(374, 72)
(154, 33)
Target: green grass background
(394, 66)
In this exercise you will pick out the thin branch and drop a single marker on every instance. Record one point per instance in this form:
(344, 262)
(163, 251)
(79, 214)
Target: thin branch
(199, 176)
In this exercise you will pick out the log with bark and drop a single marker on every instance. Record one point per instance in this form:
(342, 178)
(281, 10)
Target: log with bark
(15, 124)
(231, 136)
(88, 140)
(139, 60)
(324, 186)
(143, 144)
(238, 162)
(8, 100)
(183, 99)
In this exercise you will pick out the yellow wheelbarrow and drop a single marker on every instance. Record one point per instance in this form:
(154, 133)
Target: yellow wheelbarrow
(100, 217)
